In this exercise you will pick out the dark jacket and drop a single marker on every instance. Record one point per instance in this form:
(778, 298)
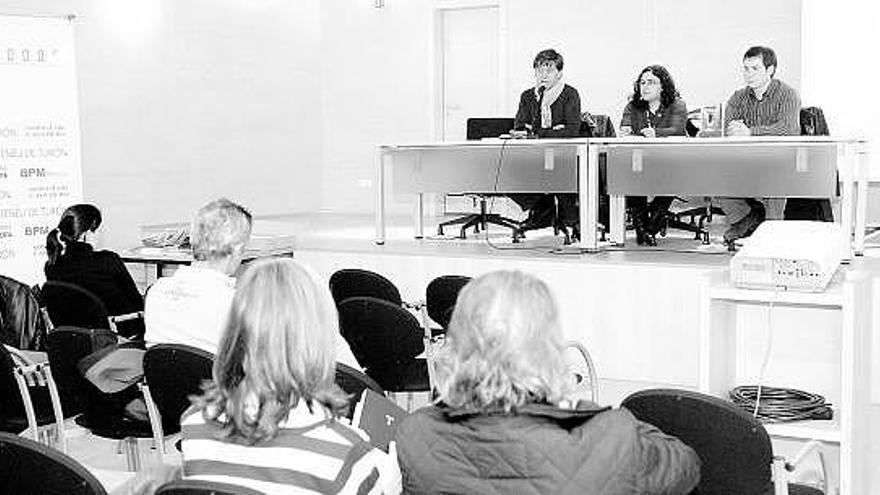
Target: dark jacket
(21, 324)
(565, 110)
(101, 272)
(541, 450)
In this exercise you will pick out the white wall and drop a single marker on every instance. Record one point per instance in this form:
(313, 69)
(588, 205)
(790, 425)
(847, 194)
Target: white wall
(841, 70)
(184, 101)
(377, 89)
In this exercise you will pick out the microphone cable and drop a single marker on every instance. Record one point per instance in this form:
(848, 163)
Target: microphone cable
(492, 207)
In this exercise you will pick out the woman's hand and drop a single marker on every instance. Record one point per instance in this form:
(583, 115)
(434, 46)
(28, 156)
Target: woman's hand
(625, 131)
(649, 132)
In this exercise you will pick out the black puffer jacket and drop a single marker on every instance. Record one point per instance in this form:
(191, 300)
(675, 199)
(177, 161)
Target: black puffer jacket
(541, 450)
(21, 324)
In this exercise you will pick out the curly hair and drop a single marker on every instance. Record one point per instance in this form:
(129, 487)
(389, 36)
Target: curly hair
(505, 346)
(668, 93)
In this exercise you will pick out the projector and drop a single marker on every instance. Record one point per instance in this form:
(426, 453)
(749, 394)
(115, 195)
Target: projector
(792, 255)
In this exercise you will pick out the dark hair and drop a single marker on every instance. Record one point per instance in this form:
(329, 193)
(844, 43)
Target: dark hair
(668, 93)
(548, 56)
(768, 56)
(75, 221)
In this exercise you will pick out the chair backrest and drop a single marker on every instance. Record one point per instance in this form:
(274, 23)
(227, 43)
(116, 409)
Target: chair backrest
(379, 333)
(440, 297)
(352, 282)
(30, 467)
(492, 127)
(813, 122)
(71, 305)
(174, 372)
(353, 382)
(11, 405)
(66, 346)
(734, 448)
(200, 487)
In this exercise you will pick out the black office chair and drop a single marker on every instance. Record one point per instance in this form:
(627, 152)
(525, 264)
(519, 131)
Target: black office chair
(694, 219)
(174, 372)
(478, 128)
(102, 413)
(351, 282)
(28, 467)
(200, 487)
(353, 382)
(440, 297)
(812, 124)
(734, 448)
(385, 339)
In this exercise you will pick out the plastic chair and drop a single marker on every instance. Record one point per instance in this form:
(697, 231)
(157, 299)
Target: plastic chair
(440, 297)
(353, 382)
(200, 487)
(27, 394)
(386, 340)
(580, 365)
(30, 467)
(101, 413)
(173, 372)
(351, 282)
(734, 448)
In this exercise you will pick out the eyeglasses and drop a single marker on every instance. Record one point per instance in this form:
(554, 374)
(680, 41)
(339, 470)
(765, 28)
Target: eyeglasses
(649, 82)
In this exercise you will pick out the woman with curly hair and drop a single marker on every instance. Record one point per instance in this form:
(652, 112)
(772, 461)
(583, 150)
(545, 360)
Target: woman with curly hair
(504, 421)
(270, 418)
(654, 110)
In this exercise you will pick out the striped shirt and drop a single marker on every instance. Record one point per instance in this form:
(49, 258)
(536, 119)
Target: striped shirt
(310, 454)
(776, 114)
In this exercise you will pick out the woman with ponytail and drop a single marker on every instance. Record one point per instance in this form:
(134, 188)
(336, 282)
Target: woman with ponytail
(72, 259)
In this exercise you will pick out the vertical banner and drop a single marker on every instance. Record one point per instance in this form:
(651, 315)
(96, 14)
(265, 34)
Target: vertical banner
(40, 171)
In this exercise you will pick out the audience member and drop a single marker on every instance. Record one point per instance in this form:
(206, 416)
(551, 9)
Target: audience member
(550, 109)
(269, 420)
(766, 106)
(500, 426)
(655, 110)
(72, 259)
(191, 306)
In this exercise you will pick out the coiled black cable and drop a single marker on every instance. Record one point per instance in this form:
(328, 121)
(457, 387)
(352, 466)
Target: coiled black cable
(780, 405)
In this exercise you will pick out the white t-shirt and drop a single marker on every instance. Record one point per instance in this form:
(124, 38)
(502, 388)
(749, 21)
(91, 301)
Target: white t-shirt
(190, 307)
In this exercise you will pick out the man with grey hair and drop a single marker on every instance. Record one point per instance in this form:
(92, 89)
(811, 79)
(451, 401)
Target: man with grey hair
(191, 307)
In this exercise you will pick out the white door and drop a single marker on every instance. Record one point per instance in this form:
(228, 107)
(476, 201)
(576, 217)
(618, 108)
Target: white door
(469, 61)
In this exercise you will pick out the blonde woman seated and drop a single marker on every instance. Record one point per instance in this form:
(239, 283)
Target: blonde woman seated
(499, 425)
(269, 420)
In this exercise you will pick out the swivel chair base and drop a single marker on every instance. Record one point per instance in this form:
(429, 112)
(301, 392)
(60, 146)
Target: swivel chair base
(480, 221)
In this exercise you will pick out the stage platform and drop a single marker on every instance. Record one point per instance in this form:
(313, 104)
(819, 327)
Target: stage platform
(636, 309)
